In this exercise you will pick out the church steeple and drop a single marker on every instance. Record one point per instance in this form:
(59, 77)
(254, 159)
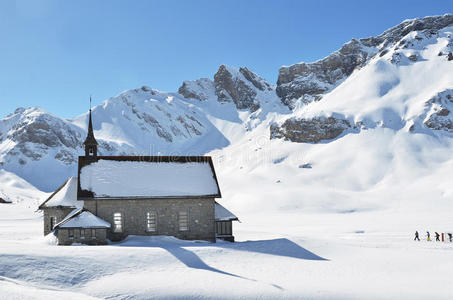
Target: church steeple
(91, 145)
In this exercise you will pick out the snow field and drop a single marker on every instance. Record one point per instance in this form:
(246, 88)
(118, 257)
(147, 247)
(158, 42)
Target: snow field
(278, 256)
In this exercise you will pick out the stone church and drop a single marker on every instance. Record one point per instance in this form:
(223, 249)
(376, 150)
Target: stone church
(116, 196)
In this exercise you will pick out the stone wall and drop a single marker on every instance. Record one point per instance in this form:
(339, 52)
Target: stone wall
(100, 238)
(201, 223)
(59, 213)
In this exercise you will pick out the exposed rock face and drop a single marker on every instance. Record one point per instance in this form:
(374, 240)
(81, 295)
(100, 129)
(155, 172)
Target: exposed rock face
(439, 116)
(450, 56)
(66, 157)
(240, 86)
(136, 122)
(229, 87)
(235, 89)
(309, 130)
(307, 82)
(168, 123)
(45, 130)
(35, 133)
(197, 89)
(428, 25)
(257, 81)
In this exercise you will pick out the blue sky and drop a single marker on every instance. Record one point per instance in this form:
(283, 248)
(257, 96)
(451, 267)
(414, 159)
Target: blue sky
(54, 54)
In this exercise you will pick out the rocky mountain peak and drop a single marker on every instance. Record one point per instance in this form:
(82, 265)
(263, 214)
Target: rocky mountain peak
(31, 134)
(307, 82)
(140, 121)
(240, 86)
(303, 83)
(430, 25)
(200, 89)
(389, 69)
(256, 80)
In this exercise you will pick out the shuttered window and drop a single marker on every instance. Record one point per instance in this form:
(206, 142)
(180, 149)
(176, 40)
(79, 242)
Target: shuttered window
(183, 221)
(224, 228)
(151, 221)
(71, 234)
(93, 233)
(117, 222)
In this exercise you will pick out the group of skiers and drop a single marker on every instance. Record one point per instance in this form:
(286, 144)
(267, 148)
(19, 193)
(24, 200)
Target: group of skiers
(428, 236)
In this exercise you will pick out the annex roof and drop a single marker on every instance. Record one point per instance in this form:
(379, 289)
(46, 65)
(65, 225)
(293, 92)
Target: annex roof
(64, 196)
(223, 214)
(147, 177)
(80, 218)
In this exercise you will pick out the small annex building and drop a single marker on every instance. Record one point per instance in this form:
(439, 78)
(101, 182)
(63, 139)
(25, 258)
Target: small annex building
(224, 223)
(81, 226)
(116, 196)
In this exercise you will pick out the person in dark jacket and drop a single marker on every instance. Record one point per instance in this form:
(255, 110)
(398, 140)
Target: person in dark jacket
(428, 236)
(437, 236)
(416, 236)
(450, 236)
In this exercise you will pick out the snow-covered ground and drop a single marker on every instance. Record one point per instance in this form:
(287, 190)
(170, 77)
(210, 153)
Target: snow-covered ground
(342, 229)
(368, 255)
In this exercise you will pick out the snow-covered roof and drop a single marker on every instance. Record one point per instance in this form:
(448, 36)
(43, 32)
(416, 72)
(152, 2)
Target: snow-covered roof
(223, 214)
(82, 219)
(65, 195)
(111, 177)
(70, 215)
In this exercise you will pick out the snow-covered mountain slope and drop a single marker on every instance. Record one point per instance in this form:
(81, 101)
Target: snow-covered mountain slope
(306, 82)
(39, 147)
(407, 87)
(241, 86)
(16, 190)
(43, 148)
(379, 169)
(145, 122)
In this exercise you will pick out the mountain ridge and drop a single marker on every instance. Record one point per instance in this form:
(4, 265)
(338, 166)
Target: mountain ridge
(370, 77)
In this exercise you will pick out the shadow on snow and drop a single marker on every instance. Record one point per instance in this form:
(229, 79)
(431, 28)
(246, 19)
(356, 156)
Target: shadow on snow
(72, 271)
(278, 247)
(177, 248)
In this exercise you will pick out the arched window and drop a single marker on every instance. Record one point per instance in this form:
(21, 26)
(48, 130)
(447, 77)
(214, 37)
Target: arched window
(183, 221)
(117, 222)
(151, 221)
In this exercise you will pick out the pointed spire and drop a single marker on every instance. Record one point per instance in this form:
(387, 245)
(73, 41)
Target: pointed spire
(90, 142)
